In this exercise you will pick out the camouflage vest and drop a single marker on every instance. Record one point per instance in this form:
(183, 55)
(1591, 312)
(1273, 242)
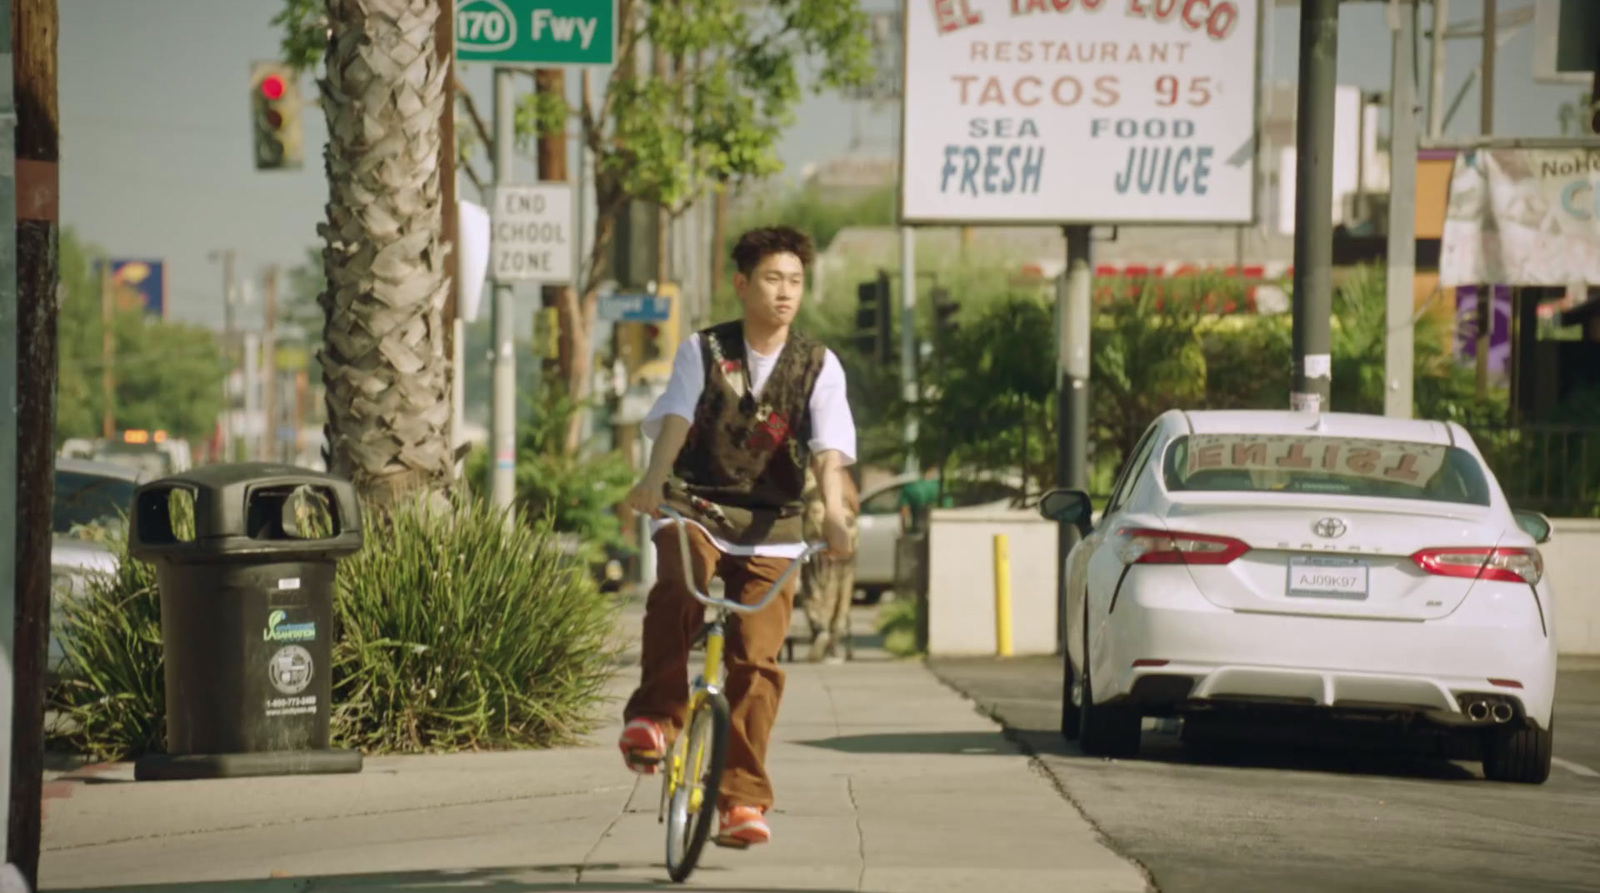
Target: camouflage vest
(742, 470)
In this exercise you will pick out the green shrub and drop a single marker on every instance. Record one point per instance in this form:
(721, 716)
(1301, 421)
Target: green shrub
(897, 623)
(111, 702)
(578, 493)
(458, 631)
(454, 631)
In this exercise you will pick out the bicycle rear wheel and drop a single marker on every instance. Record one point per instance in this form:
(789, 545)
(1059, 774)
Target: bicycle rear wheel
(693, 805)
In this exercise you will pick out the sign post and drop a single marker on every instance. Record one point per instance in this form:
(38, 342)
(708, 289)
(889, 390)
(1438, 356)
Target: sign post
(532, 225)
(1100, 112)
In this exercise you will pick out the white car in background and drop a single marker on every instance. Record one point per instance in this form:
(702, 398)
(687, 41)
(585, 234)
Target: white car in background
(87, 494)
(878, 524)
(1349, 565)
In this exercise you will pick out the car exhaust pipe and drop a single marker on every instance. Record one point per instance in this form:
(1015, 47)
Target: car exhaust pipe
(1478, 711)
(1502, 712)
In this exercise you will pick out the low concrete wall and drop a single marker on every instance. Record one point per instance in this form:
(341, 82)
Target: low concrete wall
(961, 614)
(1572, 564)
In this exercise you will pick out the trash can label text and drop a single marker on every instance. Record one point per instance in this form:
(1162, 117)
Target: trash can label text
(279, 631)
(305, 704)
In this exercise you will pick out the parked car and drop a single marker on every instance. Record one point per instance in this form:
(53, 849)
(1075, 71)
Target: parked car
(879, 522)
(87, 494)
(1281, 563)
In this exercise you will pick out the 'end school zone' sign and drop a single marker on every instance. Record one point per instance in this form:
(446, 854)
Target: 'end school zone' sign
(1089, 111)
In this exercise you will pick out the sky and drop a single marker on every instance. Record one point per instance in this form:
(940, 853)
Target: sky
(155, 129)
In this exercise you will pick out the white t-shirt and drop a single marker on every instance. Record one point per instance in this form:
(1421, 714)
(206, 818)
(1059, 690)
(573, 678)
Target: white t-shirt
(832, 425)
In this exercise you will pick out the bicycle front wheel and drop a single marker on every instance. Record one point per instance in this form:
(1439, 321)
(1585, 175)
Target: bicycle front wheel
(698, 768)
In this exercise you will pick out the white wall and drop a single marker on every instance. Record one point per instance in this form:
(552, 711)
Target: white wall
(961, 613)
(1572, 564)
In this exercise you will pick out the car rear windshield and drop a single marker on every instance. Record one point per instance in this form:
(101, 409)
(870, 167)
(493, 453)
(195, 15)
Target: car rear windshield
(91, 500)
(1336, 466)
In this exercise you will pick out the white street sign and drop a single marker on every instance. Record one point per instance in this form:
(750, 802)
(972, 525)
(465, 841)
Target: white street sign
(1080, 111)
(532, 239)
(472, 257)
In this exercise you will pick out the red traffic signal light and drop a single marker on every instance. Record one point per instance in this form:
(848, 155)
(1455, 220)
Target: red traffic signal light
(275, 116)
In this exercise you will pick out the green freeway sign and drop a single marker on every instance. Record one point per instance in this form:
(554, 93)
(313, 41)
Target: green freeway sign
(541, 32)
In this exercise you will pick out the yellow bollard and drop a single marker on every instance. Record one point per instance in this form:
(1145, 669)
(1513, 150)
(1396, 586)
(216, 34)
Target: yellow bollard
(1002, 595)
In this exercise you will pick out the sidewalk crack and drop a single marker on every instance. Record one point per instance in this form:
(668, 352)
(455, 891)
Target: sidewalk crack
(850, 790)
(606, 832)
(861, 837)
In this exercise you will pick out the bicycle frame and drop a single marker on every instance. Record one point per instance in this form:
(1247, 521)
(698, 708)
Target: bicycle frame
(709, 681)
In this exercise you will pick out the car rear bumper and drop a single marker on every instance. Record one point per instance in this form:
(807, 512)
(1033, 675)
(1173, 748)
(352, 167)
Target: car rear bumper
(1215, 656)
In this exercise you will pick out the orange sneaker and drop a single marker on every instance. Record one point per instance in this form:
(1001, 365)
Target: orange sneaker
(642, 745)
(743, 826)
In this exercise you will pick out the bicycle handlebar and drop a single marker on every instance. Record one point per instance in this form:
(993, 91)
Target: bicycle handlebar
(736, 607)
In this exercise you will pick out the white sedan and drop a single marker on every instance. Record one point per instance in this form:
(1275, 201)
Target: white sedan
(1346, 564)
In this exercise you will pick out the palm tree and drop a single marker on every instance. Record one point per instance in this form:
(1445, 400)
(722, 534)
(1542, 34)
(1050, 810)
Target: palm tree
(383, 355)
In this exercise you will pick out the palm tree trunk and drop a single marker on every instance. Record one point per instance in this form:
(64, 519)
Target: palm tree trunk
(384, 360)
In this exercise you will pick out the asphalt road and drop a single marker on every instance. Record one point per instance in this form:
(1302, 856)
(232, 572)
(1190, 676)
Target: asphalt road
(1303, 816)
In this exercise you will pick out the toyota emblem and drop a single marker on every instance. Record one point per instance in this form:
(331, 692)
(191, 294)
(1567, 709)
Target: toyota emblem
(1329, 528)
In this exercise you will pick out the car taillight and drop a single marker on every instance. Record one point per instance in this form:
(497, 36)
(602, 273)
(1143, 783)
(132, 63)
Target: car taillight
(1146, 546)
(1483, 563)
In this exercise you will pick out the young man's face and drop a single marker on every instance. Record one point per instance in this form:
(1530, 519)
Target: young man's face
(771, 293)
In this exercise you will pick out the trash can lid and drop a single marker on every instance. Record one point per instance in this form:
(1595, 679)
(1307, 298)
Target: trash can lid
(243, 501)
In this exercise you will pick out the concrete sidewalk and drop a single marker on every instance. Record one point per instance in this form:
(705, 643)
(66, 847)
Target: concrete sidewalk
(886, 781)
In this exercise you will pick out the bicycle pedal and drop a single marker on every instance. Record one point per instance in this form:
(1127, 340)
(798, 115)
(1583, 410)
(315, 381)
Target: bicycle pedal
(731, 843)
(644, 765)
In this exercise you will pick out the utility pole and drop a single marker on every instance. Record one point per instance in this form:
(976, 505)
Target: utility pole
(908, 294)
(269, 359)
(252, 376)
(1313, 210)
(444, 35)
(553, 169)
(1485, 327)
(503, 418)
(658, 69)
(34, 26)
(1441, 19)
(719, 235)
(108, 351)
(10, 430)
(1400, 271)
(908, 342)
(230, 349)
(1073, 299)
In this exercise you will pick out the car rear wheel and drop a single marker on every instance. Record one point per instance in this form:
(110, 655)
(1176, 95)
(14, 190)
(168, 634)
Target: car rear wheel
(1070, 717)
(1105, 730)
(869, 595)
(1521, 756)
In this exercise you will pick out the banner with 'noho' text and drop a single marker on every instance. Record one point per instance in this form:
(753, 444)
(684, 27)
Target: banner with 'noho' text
(1086, 111)
(1523, 217)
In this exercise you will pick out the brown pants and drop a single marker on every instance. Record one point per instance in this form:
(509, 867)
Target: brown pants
(754, 687)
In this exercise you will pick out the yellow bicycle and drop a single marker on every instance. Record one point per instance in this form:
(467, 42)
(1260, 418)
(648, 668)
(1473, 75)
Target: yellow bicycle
(694, 762)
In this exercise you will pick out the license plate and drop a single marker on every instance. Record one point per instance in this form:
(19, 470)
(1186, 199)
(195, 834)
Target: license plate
(1318, 577)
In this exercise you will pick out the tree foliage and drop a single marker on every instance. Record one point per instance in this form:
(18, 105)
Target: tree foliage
(702, 109)
(167, 375)
(991, 395)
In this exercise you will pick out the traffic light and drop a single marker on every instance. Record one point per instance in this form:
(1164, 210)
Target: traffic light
(275, 117)
(652, 343)
(659, 339)
(875, 319)
(944, 310)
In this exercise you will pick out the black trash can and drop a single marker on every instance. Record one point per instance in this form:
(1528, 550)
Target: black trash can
(247, 616)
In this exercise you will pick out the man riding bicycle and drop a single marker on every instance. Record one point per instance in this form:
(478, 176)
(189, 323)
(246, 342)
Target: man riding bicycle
(749, 406)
